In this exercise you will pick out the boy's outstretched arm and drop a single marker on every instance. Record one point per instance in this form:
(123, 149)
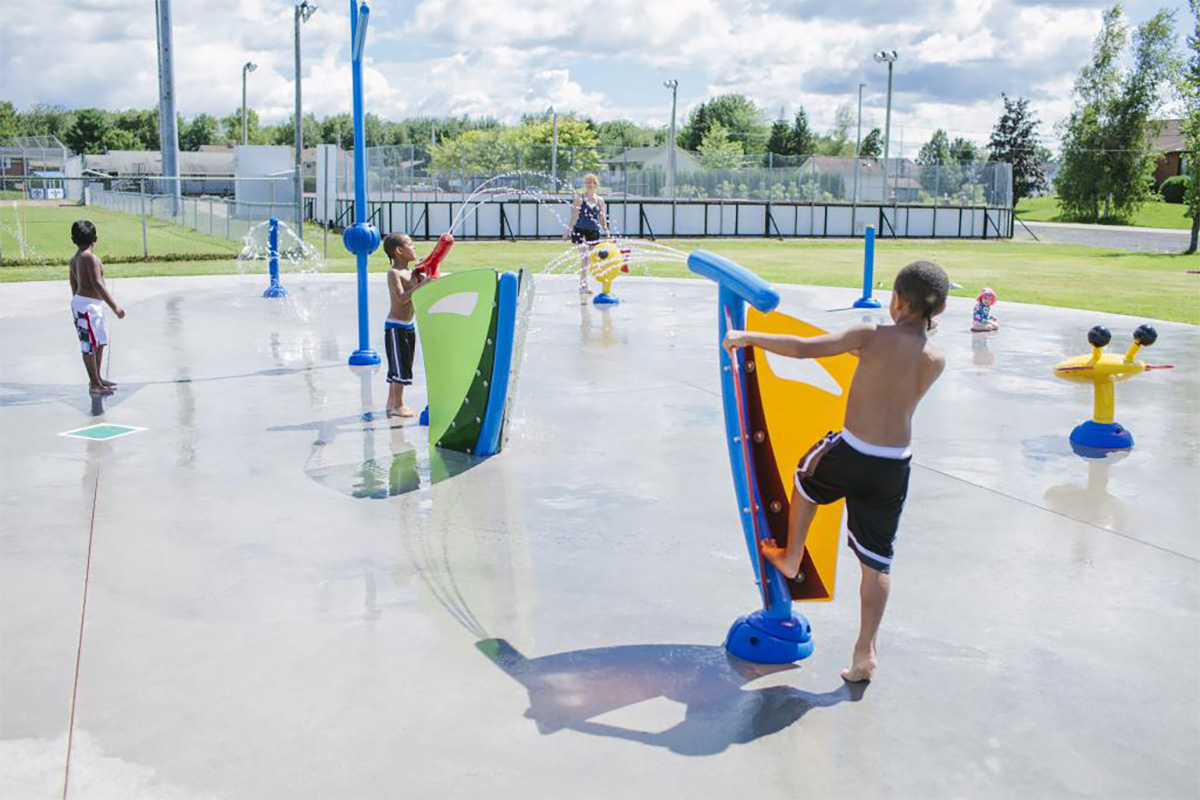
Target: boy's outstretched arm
(828, 344)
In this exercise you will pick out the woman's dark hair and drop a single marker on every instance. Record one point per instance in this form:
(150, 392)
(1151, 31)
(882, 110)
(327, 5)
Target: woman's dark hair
(923, 285)
(83, 233)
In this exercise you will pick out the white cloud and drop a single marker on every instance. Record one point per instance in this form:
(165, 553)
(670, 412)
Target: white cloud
(503, 58)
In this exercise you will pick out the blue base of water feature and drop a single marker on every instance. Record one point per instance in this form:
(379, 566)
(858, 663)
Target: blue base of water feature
(866, 302)
(275, 291)
(768, 640)
(364, 358)
(424, 419)
(1102, 436)
(605, 299)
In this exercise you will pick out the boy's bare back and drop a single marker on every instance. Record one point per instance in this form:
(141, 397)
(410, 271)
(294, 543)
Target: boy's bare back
(896, 367)
(87, 274)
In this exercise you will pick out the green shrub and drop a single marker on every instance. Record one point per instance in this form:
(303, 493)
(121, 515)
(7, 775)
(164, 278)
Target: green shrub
(1173, 189)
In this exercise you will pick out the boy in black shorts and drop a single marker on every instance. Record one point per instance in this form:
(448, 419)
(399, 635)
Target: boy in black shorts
(868, 461)
(399, 332)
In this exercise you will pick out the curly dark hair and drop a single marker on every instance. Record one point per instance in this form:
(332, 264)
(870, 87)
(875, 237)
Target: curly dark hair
(83, 233)
(391, 242)
(923, 285)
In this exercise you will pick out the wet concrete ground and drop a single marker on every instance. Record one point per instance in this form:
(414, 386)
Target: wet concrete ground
(289, 597)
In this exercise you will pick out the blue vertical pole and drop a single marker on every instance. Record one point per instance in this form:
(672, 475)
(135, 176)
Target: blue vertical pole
(360, 238)
(274, 290)
(866, 301)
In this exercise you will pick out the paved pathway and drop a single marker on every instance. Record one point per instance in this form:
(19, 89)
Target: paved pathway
(1117, 237)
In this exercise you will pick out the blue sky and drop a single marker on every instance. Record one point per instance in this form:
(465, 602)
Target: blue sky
(605, 58)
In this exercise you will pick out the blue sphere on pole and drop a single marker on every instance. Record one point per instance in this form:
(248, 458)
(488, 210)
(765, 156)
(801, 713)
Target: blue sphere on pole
(361, 238)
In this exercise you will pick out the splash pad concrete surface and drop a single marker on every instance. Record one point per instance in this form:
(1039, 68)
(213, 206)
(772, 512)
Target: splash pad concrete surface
(290, 597)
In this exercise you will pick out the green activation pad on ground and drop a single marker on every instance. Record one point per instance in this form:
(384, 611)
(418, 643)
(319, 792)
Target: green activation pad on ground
(101, 432)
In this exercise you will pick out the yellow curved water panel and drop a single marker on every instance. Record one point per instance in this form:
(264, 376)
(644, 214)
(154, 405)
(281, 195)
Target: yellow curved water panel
(800, 409)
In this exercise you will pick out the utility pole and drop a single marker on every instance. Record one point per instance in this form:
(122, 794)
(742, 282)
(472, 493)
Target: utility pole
(167, 121)
(858, 142)
(249, 66)
(303, 11)
(673, 85)
(554, 149)
(889, 57)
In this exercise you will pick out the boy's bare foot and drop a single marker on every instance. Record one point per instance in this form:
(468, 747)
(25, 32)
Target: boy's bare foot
(863, 667)
(778, 557)
(101, 389)
(108, 383)
(405, 411)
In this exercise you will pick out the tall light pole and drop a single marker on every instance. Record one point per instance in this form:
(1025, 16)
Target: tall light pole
(248, 67)
(673, 85)
(167, 121)
(858, 141)
(888, 56)
(554, 149)
(304, 10)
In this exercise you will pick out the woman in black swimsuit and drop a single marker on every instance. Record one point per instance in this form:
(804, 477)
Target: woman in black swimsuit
(588, 222)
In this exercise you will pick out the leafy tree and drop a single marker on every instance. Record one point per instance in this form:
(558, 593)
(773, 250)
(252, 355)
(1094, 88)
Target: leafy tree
(10, 125)
(202, 130)
(838, 143)
(939, 173)
(1015, 141)
(528, 146)
(1107, 155)
(340, 128)
(121, 139)
(804, 142)
(231, 127)
(717, 150)
(741, 118)
(140, 124)
(964, 152)
(622, 133)
(780, 140)
(872, 144)
(285, 132)
(41, 119)
(87, 131)
(1190, 85)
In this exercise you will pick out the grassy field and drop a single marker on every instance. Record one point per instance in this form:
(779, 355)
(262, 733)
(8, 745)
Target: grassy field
(1151, 215)
(47, 233)
(1152, 285)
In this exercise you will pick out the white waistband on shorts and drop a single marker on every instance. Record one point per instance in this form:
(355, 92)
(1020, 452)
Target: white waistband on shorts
(86, 301)
(403, 323)
(882, 451)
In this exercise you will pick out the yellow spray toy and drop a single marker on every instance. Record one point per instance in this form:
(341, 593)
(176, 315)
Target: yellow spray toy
(1103, 370)
(605, 262)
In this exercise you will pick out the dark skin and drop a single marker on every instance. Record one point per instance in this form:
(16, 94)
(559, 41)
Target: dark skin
(87, 280)
(896, 367)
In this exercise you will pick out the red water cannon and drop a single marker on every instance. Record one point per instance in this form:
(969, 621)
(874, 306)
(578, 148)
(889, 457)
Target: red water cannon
(429, 264)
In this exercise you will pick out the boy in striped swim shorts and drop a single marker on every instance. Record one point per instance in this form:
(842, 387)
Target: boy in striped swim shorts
(867, 462)
(399, 331)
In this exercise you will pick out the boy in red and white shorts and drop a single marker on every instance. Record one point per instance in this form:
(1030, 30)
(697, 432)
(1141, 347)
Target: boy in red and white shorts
(89, 294)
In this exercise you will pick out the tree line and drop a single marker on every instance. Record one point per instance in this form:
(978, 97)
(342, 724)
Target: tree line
(1105, 164)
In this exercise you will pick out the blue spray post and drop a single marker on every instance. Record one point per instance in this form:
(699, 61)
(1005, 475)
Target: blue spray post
(776, 633)
(361, 238)
(867, 301)
(274, 290)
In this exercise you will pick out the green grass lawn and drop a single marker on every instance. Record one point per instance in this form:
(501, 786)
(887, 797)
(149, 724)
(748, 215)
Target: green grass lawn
(47, 232)
(1155, 214)
(1152, 285)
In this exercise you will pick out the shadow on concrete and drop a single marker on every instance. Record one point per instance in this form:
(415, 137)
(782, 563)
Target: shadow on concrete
(569, 690)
